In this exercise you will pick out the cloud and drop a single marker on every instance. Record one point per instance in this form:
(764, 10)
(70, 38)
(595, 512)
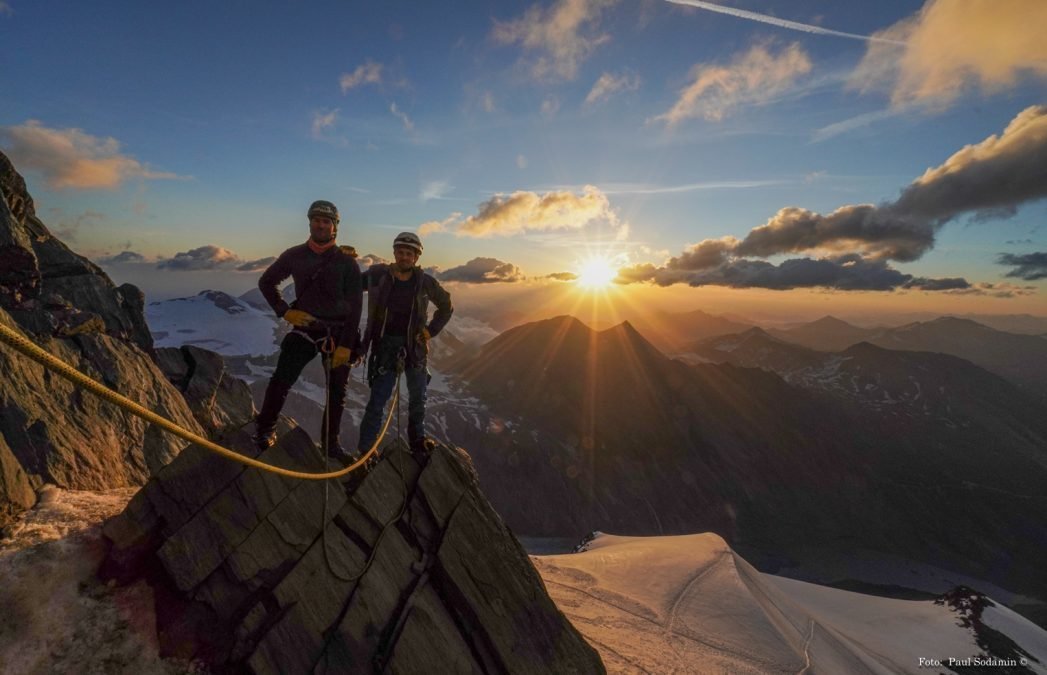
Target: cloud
(71, 158)
(483, 271)
(989, 179)
(521, 162)
(5, 9)
(323, 121)
(753, 78)
(439, 225)
(781, 23)
(563, 36)
(844, 273)
(202, 258)
(951, 47)
(368, 73)
(703, 255)
(550, 106)
(366, 261)
(1030, 266)
(402, 116)
(561, 276)
(527, 211)
(122, 258)
(608, 85)
(435, 189)
(995, 290)
(487, 102)
(255, 265)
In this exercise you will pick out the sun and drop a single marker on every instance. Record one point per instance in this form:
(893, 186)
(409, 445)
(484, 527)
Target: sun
(596, 272)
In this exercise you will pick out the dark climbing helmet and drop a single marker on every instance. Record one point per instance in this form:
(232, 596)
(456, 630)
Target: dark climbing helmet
(410, 240)
(324, 209)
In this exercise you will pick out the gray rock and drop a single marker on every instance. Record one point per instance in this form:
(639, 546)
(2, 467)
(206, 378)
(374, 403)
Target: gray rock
(405, 570)
(218, 400)
(19, 270)
(53, 432)
(16, 492)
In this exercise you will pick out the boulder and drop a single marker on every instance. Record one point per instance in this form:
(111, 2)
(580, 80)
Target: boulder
(218, 400)
(35, 263)
(19, 269)
(407, 569)
(59, 434)
(52, 432)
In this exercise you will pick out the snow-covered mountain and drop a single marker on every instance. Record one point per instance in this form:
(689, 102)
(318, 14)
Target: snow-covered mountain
(691, 604)
(213, 320)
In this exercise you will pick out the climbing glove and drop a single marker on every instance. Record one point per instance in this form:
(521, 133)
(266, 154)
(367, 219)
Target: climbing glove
(298, 318)
(342, 356)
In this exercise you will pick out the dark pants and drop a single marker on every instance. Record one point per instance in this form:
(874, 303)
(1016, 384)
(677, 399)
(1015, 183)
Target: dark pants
(296, 351)
(383, 380)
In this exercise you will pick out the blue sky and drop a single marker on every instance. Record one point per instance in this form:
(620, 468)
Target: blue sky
(162, 129)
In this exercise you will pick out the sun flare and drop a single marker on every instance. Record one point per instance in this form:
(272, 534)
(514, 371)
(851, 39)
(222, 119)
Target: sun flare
(596, 272)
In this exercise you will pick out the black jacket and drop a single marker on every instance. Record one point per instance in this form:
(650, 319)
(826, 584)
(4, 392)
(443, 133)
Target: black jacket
(378, 280)
(328, 285)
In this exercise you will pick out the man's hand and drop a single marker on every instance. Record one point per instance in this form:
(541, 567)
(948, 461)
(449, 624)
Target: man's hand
(424, 337)
(341, 357)
(298, 318)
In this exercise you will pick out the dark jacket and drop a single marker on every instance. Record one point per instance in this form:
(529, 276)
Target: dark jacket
(378, 280)
(328, 285)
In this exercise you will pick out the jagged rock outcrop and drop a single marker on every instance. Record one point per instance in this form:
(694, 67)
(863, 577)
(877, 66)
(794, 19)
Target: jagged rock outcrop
(52, 432)
(412, 572)
(218, 400)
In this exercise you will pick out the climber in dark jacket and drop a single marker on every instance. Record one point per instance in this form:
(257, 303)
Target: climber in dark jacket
(398, 331)
(325, 315)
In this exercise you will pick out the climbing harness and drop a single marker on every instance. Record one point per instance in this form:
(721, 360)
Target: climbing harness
(26, 347)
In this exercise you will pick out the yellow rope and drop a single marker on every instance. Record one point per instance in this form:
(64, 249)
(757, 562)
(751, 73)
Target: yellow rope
(26, 347)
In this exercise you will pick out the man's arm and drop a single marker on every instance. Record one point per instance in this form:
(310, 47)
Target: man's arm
(353, 290)
(442, 299)
(269, 284)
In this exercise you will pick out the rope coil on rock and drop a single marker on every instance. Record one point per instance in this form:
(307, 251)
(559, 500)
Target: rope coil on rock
(26, 347)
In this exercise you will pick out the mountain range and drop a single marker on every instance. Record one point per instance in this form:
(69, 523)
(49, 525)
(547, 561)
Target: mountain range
(606, 432)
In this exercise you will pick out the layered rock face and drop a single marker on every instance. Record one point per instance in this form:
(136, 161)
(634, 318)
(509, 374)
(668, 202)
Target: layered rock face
(406, 570)
(218, 400)
(51, 432)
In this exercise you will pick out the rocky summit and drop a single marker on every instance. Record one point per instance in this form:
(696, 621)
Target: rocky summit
(407, 569)
(51, 432)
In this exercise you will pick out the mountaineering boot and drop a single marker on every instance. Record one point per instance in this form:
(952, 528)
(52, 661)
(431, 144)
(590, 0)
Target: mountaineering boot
(264, 439)
(265, 422)
(422, 447)
(339, 454)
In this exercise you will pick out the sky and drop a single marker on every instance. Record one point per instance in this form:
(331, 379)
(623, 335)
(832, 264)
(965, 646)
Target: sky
(814, 156)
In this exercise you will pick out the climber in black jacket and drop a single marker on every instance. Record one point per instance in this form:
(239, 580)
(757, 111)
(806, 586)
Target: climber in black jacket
(325, 315)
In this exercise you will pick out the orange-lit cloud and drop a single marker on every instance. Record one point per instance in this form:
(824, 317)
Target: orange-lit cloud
(562, 36)
(322, 122)
(439, 225)
(753, 78)
(368, 73)
(609, 84)
(524, 211)
(71, 158)
(951, 46)
(205, 258)
(483, 271)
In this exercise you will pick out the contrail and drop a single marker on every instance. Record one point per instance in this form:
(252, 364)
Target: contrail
(781, 23)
